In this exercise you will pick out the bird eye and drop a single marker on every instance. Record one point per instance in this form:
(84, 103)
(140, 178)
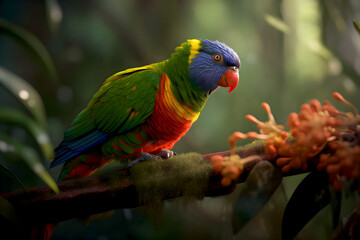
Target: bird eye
(217, 57)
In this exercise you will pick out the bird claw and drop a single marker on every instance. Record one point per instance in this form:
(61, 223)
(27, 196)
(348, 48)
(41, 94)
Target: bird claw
(165, 154)
(144, 157)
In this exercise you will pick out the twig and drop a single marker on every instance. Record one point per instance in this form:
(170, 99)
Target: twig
(98, 193)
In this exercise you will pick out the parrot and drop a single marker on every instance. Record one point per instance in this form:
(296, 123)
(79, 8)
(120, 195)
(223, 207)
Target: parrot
(144, 111)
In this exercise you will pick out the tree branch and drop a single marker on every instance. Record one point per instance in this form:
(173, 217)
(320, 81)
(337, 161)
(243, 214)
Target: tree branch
(111, 189)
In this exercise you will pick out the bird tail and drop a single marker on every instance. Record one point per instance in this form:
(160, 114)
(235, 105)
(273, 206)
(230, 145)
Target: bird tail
(83, 165)
(42, 232)
(80, 166)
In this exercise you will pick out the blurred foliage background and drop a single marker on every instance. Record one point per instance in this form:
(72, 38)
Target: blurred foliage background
(291, 51)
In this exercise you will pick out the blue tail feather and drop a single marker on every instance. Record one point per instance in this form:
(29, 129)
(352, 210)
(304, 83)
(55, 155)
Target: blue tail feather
(68, 150)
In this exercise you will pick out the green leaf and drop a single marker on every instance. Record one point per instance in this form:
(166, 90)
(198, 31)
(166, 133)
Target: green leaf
(10, 116)
(261, 183)
(277, 23)
(356, 26)
(31, 43)
(7, 211)
(308, 199)
(30, 157)
(24, 93)
(5, 171)
(320, 49)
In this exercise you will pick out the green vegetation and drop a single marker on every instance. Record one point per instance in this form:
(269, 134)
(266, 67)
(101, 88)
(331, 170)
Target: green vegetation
(184, 174)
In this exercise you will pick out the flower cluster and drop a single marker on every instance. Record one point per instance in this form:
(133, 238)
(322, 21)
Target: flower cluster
(270, 131)
(341, 162)
(312, 128)
(230, 167)
(318, 131)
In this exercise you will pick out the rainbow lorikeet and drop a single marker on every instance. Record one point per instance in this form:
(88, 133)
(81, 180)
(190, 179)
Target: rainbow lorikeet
(146, 109)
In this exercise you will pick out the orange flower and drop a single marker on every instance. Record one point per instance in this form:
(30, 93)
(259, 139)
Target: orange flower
(230, 167)
(315, 127)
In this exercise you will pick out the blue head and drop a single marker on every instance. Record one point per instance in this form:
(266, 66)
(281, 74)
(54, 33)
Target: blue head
(213, 64)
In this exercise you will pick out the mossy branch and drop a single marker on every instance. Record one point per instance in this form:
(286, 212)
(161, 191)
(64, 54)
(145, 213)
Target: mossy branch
(113, 188)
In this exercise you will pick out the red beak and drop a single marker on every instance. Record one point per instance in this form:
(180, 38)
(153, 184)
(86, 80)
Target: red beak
(230, 78)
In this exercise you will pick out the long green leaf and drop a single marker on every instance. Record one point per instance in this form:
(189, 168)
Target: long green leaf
(7, 211)
(277, 23)
(356, 26)
(308, 199)
(261, 183)
(24, 93)
(5, 171)
(11, 116)
(30, 157)
(32, 43)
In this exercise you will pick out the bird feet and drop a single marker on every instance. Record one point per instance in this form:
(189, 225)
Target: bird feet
(163, 154)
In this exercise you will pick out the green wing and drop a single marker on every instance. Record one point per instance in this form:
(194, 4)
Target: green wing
(123, 102)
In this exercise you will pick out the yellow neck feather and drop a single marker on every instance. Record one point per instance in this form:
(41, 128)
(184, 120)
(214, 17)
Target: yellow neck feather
(194, 49)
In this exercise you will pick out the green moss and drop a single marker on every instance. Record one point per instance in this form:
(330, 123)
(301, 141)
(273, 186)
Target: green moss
(115, 178)
(256, 147)
(182, 175)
